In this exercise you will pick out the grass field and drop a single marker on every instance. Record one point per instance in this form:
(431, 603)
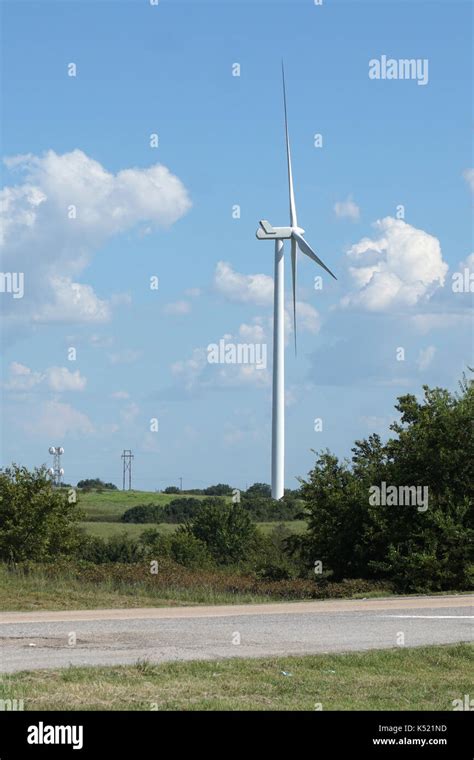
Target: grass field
(110, 505)
(104, 510)
(427, 678)
(108, 529)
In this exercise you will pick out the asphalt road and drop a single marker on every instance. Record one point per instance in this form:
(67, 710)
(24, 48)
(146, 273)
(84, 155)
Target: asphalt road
(32, 640)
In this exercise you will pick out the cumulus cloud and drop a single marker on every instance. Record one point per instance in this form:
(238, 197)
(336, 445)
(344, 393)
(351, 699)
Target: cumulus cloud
(56, 419)
(65, 208)
(196, 373)
(22, 378)
(256, 289)
(254, 332)
(307, 317)
(401, 267)
(57, 379)
(347, 209)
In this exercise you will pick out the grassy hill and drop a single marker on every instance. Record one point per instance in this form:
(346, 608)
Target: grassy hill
(109, 506)
(103, 510)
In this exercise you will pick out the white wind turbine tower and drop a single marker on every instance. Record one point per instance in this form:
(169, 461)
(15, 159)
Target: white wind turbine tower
(279, 234)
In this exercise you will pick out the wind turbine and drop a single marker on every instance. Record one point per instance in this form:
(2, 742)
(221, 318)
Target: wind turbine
(294, 233)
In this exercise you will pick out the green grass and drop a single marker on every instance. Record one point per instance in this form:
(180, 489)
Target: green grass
(296, 526)
(427, 678)
(110, 505)
(108, 529)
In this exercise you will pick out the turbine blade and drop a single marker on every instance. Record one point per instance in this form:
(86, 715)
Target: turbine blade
(305, 248)
(293, 218)
(293, 277)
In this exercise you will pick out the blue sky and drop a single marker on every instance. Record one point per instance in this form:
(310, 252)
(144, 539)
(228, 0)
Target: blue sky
(84, 141)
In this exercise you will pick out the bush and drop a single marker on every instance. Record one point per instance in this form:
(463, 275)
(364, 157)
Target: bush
(265, 509)
(180, 510)
(37, 521)
(96, 483)
(171, 576)
(259, 489)
(221, 489)
(181, 547)
(226, 529)
(143, 513)
(121, 548)
(420, 550)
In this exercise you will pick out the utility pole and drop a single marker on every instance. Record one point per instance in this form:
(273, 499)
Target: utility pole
(127, 457)
(181, 484)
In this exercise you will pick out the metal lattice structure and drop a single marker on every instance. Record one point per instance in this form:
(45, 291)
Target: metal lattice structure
(56, 471)
(127, 457)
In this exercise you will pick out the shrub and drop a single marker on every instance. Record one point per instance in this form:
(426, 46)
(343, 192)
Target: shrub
(121, 548)
(143, 513)
(37, 521)
(181, 547)
(96, 483)
(221, 489)
(180, 510)
(226, 529)
(174, 576)
(420, 550)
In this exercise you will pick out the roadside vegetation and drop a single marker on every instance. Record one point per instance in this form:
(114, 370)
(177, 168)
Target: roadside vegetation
(428, 678)
(326, 539)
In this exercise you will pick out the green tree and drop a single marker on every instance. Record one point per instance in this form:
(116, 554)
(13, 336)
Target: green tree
(259, 489)
(37, 521)
(419, 549)
(226, 529)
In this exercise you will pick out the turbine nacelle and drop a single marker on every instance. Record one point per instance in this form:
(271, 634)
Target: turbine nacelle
(267, 232)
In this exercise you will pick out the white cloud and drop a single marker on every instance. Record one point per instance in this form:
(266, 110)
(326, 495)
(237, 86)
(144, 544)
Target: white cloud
(197, 373)
(22, 378)
(468, 263)
(243, 288)
(40, 235)
(129, 413)
(189, 370)
(57, 379)
(468, 175)
(425, 357)
(307, 317)
(347, 209)
(72, 302)
(61, 379)
(424, 323)
(178, 308)
(57, 420)
(400, 268)
(254, 333)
